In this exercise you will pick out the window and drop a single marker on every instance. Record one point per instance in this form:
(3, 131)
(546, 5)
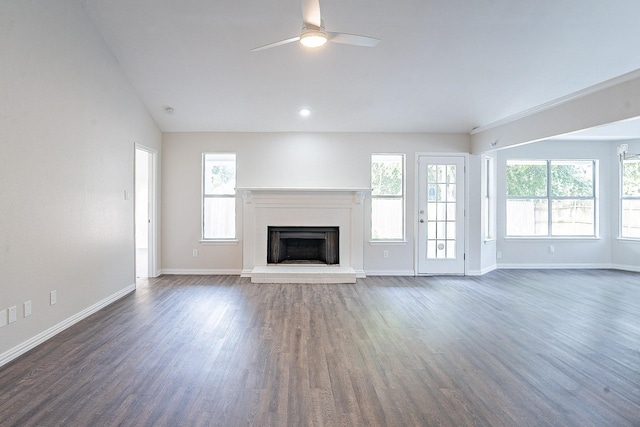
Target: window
(488, 199)
(551, 198)
(630, 199)
(219, 196)
(387, 196)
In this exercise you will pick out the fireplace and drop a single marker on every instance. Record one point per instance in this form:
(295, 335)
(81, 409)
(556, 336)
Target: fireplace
(303, 245)
(290, 209)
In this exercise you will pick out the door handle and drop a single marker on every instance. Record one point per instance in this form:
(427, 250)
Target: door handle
(422, 220)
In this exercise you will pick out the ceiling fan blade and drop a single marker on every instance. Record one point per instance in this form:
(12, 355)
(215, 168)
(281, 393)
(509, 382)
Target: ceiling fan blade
(311, 13)
(353, 39)
(280, 43)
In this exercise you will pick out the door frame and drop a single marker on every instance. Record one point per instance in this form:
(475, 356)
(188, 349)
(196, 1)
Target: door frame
(153, 270)
(416, 205)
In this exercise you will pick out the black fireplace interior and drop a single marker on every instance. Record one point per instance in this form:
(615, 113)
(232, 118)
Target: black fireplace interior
(303, 245)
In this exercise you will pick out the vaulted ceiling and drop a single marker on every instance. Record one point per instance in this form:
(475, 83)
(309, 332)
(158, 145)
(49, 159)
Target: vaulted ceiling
(440, 66)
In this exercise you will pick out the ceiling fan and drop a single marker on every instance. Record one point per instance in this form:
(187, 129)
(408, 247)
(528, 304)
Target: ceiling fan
(314, 35)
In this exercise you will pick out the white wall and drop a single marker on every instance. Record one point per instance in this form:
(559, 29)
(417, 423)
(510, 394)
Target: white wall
(68, 124)
(320, 160)
(534, 252)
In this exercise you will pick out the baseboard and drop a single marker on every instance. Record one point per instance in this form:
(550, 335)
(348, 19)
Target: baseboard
(564, 266)
(405, 273)
(201, 272)
(33, 342)
(483, 271)
(633, 268)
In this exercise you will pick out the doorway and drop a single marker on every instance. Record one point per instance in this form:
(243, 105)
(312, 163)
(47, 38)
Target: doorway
(441, 225)
(144, 212)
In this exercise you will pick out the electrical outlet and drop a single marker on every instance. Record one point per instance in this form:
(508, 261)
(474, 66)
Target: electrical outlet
(195, 253)
(3, 318)
(552, 249)
(13, 314)
(385, 254)
(499, 255)
(53, 297)
(27, 308)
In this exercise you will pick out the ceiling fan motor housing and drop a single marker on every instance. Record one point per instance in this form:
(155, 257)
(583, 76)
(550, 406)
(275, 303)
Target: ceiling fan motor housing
(313, 36)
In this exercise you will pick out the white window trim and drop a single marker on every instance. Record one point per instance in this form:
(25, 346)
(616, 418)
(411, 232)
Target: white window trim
(550, 198)
(403, 239)
(488, 200)
(630, 240)
(621, 197)
(214, 242)
(203, 196)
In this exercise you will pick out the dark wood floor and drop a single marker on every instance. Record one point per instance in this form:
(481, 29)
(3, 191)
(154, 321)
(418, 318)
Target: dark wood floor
(511, 348)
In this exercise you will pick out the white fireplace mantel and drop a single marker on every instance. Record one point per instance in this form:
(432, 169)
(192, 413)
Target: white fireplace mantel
(329, 207)
(269, 192)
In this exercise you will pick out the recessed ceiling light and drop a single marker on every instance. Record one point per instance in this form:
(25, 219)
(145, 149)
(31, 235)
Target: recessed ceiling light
(305, 112)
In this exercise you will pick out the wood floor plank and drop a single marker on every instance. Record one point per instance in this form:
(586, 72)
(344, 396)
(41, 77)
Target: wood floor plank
(510, 348)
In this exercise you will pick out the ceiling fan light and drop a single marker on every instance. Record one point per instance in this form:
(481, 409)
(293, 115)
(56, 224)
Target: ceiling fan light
(313, 38)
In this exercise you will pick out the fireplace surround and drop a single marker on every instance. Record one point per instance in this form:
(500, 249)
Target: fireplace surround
(341, 208)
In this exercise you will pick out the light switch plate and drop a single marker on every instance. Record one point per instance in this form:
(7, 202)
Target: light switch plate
(27, 308)
(13, 314)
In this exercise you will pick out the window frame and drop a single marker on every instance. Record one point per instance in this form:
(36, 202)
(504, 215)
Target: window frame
(550, 198)
(401, 197)
(488, 198)
(622, 198)
(227, 195)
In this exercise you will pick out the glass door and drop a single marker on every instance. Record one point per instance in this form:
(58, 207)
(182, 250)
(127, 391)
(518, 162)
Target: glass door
(441, 215)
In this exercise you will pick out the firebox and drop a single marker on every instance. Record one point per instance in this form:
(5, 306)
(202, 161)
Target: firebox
(303, 245)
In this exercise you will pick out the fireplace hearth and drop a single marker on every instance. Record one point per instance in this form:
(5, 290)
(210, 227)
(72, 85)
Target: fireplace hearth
(303, 245)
